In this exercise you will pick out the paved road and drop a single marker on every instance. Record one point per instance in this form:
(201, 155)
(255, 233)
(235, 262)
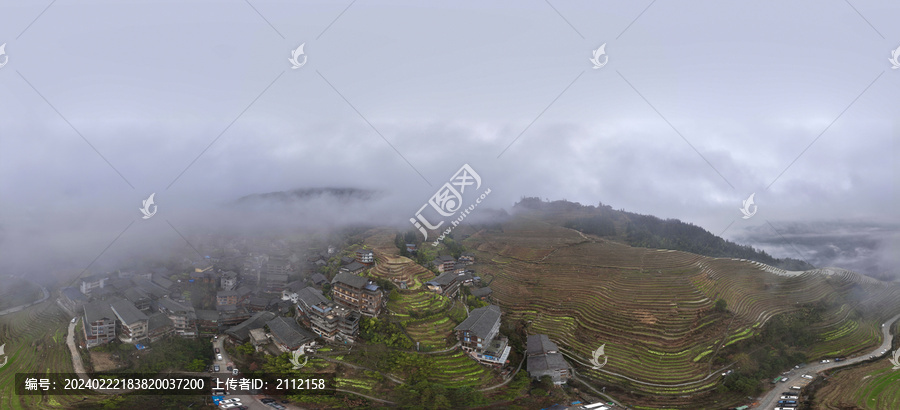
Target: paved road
(795, 377)
(76, 355)
(79, 365)
(250, 401)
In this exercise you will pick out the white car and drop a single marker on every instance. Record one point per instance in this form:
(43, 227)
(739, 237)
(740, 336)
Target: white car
(218, 357)
(235, 400)
(789, 397)
(806, 376)
(229, 405)
(826, 361)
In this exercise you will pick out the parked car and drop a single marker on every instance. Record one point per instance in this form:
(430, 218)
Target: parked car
(235, 400)
(806, 376)
(267, 400)
(218, 357)
(217, 350)
(840, 359)
(796, 387)
(216, 368)
(789, 397)
(74, 319)
(228, 405)
(825, 361)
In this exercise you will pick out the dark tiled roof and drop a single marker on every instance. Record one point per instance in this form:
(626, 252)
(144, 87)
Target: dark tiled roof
(295, 286)
(258, 301)
(242, 330)
(150, 287)
(156, 321)
(540, 344)
(133, 295)
(74, 294)
(162, 282)
(226, 293)
(482, 292)
(226, 308)
(354, 266)
(126, 312)
(276, 277)
(312, 296)
(481, 320)
(288, 332)
(119, 284)
(209, 315)
(351, 280)
(243, 291)
(98, 310)
(553, 361)
(318, 278)
(174, 306)
(445, 279)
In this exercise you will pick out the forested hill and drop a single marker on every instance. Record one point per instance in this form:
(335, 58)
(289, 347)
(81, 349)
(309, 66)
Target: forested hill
(648, 231)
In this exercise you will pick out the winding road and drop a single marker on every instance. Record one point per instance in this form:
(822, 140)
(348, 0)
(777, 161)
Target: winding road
(795, 376)
(20, 307)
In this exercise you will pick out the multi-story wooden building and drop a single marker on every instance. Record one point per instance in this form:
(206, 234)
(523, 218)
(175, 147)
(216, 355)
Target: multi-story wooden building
(357, 292)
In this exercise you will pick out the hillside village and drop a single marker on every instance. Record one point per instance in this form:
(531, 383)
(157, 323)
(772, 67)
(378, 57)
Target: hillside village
(279, 303)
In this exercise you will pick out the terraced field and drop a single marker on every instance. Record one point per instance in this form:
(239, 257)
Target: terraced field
(399, 269)
(432, 331)
(34, 343)
(456, 369)
(653, 309)
(874, 386)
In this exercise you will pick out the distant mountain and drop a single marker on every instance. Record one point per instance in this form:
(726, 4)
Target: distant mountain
(648, 231)
(302, 194)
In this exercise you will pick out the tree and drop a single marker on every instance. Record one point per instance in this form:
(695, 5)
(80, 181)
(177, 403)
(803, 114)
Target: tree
(394, 295)
(197, 365)
(721, 305)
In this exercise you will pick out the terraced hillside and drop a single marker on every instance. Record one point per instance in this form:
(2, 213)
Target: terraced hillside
(427, 317)
(654, 309)
(873, 386)
(35, 343)
(399, 269)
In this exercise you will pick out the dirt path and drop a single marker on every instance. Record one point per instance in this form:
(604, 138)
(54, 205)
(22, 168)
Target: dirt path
(389, 376)
(583, 363)
(511, 375)
(76, 355)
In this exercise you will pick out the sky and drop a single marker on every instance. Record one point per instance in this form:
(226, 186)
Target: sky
(696, 108)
